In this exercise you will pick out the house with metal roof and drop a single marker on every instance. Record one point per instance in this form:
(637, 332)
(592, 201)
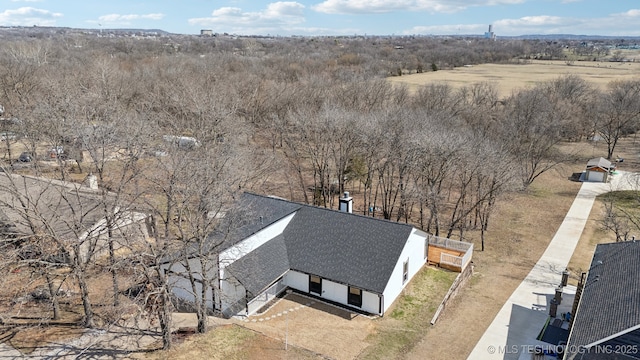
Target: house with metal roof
(348, 259)
(598, 170)
(606, 324)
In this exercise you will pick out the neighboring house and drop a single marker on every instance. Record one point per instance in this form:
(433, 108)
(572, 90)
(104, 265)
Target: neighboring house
(598, 170)
(70, 213)
(352, 260)
(606, 324)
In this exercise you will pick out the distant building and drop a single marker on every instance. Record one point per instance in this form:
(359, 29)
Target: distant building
(490, 34)
(206, 32)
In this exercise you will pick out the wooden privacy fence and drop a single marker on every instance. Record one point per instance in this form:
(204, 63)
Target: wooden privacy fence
(460, 280)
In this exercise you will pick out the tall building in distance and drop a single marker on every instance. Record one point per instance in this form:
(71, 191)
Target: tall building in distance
(490, 34)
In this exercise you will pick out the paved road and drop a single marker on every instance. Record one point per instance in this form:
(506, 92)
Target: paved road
(520, 320)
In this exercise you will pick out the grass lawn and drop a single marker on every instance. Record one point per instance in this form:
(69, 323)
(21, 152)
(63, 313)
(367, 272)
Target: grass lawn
(595, 233)
(409, 319)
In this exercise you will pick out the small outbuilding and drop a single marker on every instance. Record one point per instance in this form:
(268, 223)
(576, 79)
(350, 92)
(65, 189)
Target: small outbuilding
(598, 170)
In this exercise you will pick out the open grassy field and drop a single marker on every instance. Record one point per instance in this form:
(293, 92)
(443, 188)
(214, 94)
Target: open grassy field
(510, 77)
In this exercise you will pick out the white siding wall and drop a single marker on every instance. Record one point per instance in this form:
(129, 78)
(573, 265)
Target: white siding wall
(181, 286)
(232, 294)
(414, 252)
(370, 302)
(297, 280)
(334, 291)
(594, 176)
(254, 241)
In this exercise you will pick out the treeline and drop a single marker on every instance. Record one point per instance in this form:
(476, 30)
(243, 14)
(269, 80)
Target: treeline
(305, 118)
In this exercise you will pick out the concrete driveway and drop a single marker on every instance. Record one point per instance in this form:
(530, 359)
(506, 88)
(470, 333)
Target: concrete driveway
(515, 328)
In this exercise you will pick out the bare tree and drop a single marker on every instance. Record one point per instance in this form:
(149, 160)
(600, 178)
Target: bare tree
(615, 220)
(617, 112)
(532, 129)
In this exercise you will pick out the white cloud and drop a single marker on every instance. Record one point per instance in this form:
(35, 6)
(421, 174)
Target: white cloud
(385, 6)
(633, 13)
(276, 16)
(535, 21)
(620, 24)
(118, 19)
(28, 16)
(613, 24)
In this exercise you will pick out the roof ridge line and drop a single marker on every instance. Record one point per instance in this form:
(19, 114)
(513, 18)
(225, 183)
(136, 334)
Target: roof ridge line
(331, 210)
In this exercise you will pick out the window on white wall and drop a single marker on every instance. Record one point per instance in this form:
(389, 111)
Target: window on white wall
(315, 284)
(405, 271)
(355, 296)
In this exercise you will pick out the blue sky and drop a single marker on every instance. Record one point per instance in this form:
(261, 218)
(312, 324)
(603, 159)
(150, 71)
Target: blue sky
(335, 17)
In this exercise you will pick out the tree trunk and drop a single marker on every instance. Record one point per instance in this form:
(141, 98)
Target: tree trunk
(114, 272)
(86, 303)
(164, 317)
(53, 291)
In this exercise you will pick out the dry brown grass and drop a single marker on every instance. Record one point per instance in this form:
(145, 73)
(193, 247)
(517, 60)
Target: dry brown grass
(510, 77)
(522, 228)
(232, 342)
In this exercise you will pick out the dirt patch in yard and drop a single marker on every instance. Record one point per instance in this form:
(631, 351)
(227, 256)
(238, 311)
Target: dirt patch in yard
(301, 327)
(232, 342)
(314, 325)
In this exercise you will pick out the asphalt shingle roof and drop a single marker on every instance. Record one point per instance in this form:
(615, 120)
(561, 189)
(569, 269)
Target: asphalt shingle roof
(261, 211)
(250, 214)
(271, 260)
(610, 302)
(347, 248)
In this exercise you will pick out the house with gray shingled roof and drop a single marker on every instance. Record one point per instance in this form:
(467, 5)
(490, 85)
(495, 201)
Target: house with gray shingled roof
(356, 261)
(607, 320)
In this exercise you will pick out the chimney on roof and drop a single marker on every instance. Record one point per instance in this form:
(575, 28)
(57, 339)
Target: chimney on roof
(346, 203)
(92, 182)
